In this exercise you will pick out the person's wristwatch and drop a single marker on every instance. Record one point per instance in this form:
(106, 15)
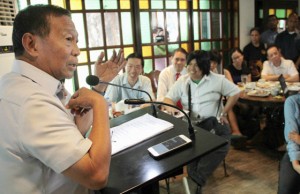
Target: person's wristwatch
(223, 114)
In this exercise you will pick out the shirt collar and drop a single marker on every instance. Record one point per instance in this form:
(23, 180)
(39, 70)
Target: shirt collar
(183, 71)
(38, 76)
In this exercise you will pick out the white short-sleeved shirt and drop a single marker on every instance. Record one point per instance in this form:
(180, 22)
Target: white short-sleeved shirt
(205, 95)
(286, 67)
(166, 80)
(39, 138)
(116, 94)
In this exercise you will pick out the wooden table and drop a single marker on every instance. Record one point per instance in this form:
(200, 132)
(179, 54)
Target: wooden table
(267, 102)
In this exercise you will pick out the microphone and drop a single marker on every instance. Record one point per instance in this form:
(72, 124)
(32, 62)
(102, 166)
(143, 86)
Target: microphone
(93, 80)
(140, 101)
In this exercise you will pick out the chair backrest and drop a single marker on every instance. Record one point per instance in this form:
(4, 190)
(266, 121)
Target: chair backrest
(153, 76)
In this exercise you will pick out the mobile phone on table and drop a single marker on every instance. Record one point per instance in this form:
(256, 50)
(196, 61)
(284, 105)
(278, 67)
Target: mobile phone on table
(169, 145)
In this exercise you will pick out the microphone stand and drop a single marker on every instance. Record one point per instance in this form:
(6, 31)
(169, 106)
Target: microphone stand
(139, 101)
(91, 79)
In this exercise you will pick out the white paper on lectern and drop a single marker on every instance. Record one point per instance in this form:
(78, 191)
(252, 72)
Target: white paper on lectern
(137, 130)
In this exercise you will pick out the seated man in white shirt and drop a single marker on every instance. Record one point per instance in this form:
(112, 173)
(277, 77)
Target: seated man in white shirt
(169, 75)
(131, 78)
(277, 65)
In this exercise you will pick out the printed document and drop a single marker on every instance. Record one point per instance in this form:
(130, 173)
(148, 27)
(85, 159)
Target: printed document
(136, 131)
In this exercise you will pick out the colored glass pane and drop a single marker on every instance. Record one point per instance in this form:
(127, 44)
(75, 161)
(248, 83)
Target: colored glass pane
(95, 31)
(288, 12)
(195, 4)
(217, 45)
(144, 4)
(196, 25)
(216, 4)
(22, 4)
(216, 22)
(280, 13)
(205, 25)
(160, 50)
(34, 2)
(145, 27)
(82, 72)
(160, 63)
(282, 24)
(110, 4)
(112, 28)
(127, 51)
(172, 32)
(125, 4)
(204, 4)
(158, 31)
(196, 46)
(75, 5)
(205, 46)
(184, 36)
(82, 58)
(92, 5)
(185, 46)
(148, 65)
(78, 21)
(126, 28)
(157, 4)
(110, 52)
(171, 4)
(147, 52)
(261, 13)
(69, 85)
(172, 47)
(60, 3)
(183, 4)
(94, 54)
(271, 11)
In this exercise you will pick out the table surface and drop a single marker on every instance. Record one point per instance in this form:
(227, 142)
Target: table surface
(268, 101)
(134, 167)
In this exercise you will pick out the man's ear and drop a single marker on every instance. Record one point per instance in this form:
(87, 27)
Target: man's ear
(29, 42)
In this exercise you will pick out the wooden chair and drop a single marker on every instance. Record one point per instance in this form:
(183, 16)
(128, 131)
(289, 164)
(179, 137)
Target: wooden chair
(153, 76)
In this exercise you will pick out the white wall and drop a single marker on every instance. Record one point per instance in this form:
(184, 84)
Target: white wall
(247, 20)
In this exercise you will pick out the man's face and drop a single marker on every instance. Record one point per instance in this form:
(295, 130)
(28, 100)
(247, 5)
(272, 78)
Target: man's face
(292, 23)
(273, 23)
(134, 67)
(274, 55)
(179, 61)
(255, 36)
(57, 52)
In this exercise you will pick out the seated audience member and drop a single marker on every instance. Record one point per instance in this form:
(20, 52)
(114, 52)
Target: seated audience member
(215, 59)
(277, 65)
(205, 92)
(131, 78)
(268, 37)
(288, 41)
(169, 75)
(255, 54)
(289, 175)
(43, 144)
(237, 68)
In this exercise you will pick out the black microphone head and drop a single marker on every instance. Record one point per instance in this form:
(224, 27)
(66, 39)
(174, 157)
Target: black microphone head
(92, 80)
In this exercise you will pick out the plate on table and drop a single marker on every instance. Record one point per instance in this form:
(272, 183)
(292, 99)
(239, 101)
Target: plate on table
(293, 88)
(258, 93)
